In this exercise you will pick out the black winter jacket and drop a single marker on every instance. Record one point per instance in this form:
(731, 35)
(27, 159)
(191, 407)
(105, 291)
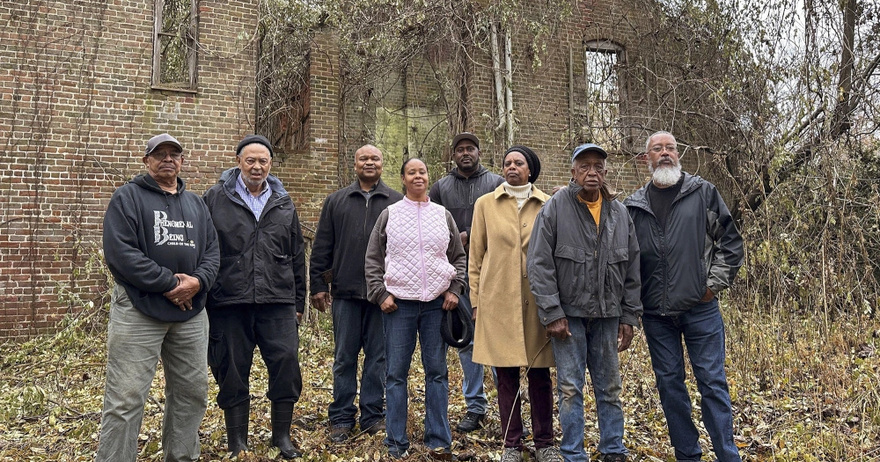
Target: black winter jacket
(151, 234)
(700, 248)
(347, 219)
(261, 261)
(458, 193)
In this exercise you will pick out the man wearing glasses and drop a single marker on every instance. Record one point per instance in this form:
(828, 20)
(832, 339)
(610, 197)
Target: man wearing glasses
(583, 266)
(161, 247)
(690, 251)
(458, 191)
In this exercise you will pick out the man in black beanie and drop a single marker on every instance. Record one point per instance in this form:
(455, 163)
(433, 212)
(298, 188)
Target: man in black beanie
(259, 294)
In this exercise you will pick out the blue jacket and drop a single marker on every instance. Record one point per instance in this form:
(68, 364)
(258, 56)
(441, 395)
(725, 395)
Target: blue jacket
(700, 248)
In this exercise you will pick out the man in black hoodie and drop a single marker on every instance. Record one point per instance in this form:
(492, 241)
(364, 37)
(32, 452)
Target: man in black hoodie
(161, 247)
(259, 294)
(458, 191)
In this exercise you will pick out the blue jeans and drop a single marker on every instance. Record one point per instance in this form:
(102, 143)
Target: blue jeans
(593, 346)
(416, 319)
(472, 373)
(135, 342)
(357, 324)
(703, 331)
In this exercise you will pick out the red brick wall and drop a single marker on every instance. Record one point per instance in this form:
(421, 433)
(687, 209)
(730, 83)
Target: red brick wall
(76, 109)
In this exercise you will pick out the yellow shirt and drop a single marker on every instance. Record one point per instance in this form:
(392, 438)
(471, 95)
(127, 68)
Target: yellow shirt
(595, 208)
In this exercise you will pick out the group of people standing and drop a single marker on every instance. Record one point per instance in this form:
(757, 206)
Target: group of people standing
(549, 281)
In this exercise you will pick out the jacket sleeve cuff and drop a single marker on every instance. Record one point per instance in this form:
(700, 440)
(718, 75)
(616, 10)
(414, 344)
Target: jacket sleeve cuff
(630, 319)
(553, 310)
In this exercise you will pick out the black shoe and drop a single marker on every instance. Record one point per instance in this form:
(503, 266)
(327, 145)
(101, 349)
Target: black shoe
(237, 427)
(339, 434)
(376, 427)
(282, 414)
(470, 422)
(614, 458)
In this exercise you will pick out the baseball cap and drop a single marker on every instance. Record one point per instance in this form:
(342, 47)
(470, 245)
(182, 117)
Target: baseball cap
(159, 140)
(587, 148)
(465, 136)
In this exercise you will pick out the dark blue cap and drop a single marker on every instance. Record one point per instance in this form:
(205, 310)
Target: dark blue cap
(587, 148)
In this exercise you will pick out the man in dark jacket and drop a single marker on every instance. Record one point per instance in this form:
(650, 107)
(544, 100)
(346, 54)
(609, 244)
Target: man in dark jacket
(690, 251)
(458, 191)
(161, 247)
(583, 266)
(337, 267)
(259, 293)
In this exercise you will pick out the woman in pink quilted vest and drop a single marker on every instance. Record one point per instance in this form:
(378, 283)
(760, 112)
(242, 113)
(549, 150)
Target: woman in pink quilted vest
(415, 269)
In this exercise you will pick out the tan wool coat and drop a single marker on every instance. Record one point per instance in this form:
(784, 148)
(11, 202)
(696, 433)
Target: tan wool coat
(508, 333)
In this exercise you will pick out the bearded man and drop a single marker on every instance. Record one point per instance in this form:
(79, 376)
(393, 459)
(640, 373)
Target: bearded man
(690, 250)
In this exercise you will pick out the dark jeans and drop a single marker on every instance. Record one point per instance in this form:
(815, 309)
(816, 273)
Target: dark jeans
(416, 320)
(510, 406)
(234, 333)
(357, 324)
(702, 330)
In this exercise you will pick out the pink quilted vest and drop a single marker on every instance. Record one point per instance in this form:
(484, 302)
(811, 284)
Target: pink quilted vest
(416, 267)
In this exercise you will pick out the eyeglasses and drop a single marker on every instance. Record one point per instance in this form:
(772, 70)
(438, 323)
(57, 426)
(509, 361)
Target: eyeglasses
(160, 155)
(660, 147)
(585, 168)
(465, 149)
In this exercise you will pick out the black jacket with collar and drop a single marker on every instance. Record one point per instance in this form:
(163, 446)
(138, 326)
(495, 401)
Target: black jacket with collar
(260, 261)
(347, 219)
(700, 247)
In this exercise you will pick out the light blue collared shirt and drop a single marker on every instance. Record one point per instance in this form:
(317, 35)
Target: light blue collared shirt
(256, 204)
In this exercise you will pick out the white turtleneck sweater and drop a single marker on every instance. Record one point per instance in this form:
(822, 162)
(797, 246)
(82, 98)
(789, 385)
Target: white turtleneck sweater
(520, 193)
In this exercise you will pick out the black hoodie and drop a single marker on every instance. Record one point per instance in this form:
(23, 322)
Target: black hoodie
(151, 234)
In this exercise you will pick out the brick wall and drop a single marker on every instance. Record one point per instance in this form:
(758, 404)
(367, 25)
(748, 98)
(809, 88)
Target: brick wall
(76, 109)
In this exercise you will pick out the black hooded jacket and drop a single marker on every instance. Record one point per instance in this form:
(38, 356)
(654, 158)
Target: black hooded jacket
(261, 261)
(459, 193)
(151, 234)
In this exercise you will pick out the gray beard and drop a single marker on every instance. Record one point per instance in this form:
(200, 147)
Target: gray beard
(666, 176)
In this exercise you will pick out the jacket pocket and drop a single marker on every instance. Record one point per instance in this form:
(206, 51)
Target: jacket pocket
(216, 349)
(615, 273)
(570, 273)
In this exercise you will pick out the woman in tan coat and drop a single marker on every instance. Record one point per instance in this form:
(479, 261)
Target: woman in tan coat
(508, 334)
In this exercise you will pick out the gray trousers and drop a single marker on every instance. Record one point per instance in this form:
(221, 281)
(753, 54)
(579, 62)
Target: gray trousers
(135, 343)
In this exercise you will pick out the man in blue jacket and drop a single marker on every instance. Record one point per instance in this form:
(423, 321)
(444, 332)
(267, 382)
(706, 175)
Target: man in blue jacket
(259, 293)
(337, 281)
(690, 251)
(458, 191)
(161, 247)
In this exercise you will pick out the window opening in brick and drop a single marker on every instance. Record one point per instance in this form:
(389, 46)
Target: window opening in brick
(600, 109)
(175, 44)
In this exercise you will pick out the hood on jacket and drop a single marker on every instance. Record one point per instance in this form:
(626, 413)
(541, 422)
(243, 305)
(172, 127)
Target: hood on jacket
(145, 181)
(482, 170)
(230, 176)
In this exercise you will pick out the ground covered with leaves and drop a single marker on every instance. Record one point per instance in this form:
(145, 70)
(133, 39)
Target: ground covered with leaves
(802, 390)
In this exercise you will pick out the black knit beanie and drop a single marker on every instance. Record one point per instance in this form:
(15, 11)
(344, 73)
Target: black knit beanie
(531, 159)
(250, 139)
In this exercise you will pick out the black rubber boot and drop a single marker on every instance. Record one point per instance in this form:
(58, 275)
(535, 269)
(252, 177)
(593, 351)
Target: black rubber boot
(282, 414)
(237, 427)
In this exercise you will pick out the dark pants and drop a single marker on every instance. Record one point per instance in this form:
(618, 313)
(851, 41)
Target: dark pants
(234, 333)
(509, 405)
(357, 324)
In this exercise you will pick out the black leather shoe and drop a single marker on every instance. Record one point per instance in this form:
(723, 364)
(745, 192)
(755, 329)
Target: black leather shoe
(470, 422)
(339, 434)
